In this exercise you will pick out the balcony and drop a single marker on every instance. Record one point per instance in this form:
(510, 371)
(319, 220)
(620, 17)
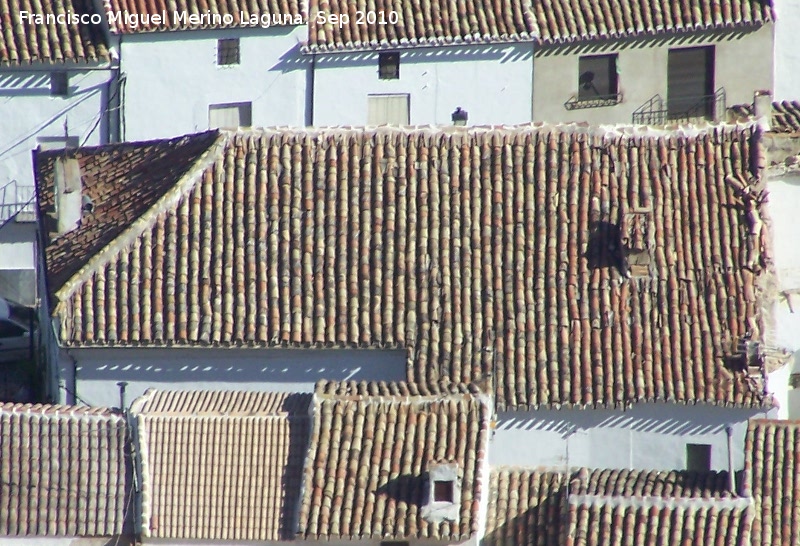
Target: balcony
(658, 111)
(17, 202)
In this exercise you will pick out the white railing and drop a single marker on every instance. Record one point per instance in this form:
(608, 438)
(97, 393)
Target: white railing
(16, 198)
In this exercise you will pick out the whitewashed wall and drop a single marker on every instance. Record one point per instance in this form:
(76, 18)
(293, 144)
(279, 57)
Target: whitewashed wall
(340, 542)
(648, 437)
(65, 541)
(743, 64)
(173, 77)
(787, 54)
(94, 373)
(492, 83)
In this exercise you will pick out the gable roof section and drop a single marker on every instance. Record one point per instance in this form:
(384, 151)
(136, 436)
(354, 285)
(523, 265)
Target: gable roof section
(419, 23)
(63, 471)
(278, 12)
(220, 465)
(772, 476)
(23, 42)
(565, 21)
(368, 459)
(479, 251)
(123, 181)
(531, 506)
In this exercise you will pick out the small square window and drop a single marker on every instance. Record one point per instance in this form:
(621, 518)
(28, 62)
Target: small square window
(389, 66)
(59, 84)
(230, 116)
(597, 77)
(443, 491)
(698, 457)
(228, 51)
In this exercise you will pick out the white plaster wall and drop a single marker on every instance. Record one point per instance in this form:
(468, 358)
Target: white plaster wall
(16, 245)
(65, 541)
(648, 437)
(28, 111)
(173, 77)
(95, 372)
(340, 542)
(492, 83)
(787, 54)
(743, 64)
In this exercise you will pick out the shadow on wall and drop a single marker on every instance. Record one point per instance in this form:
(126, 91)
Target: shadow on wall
(443, 54)
(292, 480)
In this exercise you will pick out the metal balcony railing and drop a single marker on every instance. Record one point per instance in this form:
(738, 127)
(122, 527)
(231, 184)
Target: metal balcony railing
(16, 198)
(657, 111)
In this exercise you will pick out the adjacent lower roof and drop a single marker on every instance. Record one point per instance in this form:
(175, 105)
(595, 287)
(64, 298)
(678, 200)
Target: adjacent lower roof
(483, 252)
(220, 465)
(785, 115)
(64, 472)
(276, 12)
(26, 41)
(366, 473)
(419, 23)
(772, 471)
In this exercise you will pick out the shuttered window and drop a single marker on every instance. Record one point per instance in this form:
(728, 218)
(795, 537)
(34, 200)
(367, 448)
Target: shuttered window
(388, 109)
(690, 82)
(230, 116)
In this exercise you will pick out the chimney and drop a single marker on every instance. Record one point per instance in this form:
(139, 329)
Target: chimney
(762, 109)
(68, 199)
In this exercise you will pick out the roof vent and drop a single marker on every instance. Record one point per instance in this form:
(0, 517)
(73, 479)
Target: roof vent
(443, 502)
(635, 240)
(68, 200)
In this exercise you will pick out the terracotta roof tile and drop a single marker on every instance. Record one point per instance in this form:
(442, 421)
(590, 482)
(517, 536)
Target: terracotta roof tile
(785, 115)
(63, 471)
(24, 42)
(639, 507)
(219, 465)
(479, 251)
(366, 469)
(772, 471)
(418, 23)
(278, 12)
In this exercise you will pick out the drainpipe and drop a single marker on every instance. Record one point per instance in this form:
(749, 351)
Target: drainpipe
(122, 385)
(310, 92)
(731, 477)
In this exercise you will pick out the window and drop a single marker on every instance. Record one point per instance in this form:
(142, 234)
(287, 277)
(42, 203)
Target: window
(443, 491)
(597, 77)
(388, 109)
(389, 66)
(57, 143)
(228, 51)
(690, 82)
(59, 84)
(230, 116)
(698, 457)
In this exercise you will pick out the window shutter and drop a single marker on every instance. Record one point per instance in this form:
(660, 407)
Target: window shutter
(230, 116)
(388, 109)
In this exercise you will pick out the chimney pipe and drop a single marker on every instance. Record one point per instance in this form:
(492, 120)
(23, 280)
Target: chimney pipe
(68, 189)
(731, 477)
(122, 385)
(762, 109)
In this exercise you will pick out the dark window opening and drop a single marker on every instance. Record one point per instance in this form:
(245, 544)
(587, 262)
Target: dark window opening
(443, 491)
(228, 51)
(59, 84)
(597, 77)
(690, 83)
(9, 329)
(698, 457)
(389, 66)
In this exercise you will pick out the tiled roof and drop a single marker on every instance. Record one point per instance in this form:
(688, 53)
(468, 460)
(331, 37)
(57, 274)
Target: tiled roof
(24, 42)
(529, 506)
(392, 388)
(418, 23)
(122, 181)
(785, 115)
(366, 468)
(63, 471)
(277, 12)
(562, 21)
(220, 466)
(478, 250)
(772, 471)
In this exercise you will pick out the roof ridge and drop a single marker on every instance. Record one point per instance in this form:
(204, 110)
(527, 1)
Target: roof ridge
(138, 226)
(655, 501)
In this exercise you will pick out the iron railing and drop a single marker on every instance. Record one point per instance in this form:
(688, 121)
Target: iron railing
(575, 103)
(657, 111)
(16, 198)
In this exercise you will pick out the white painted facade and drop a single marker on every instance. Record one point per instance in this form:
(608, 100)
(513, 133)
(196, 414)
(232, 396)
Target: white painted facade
(341, 542)
(646, 437)
(66, 541)
(171, 79)
(93, 374)
(787, 55)
(493, 83)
